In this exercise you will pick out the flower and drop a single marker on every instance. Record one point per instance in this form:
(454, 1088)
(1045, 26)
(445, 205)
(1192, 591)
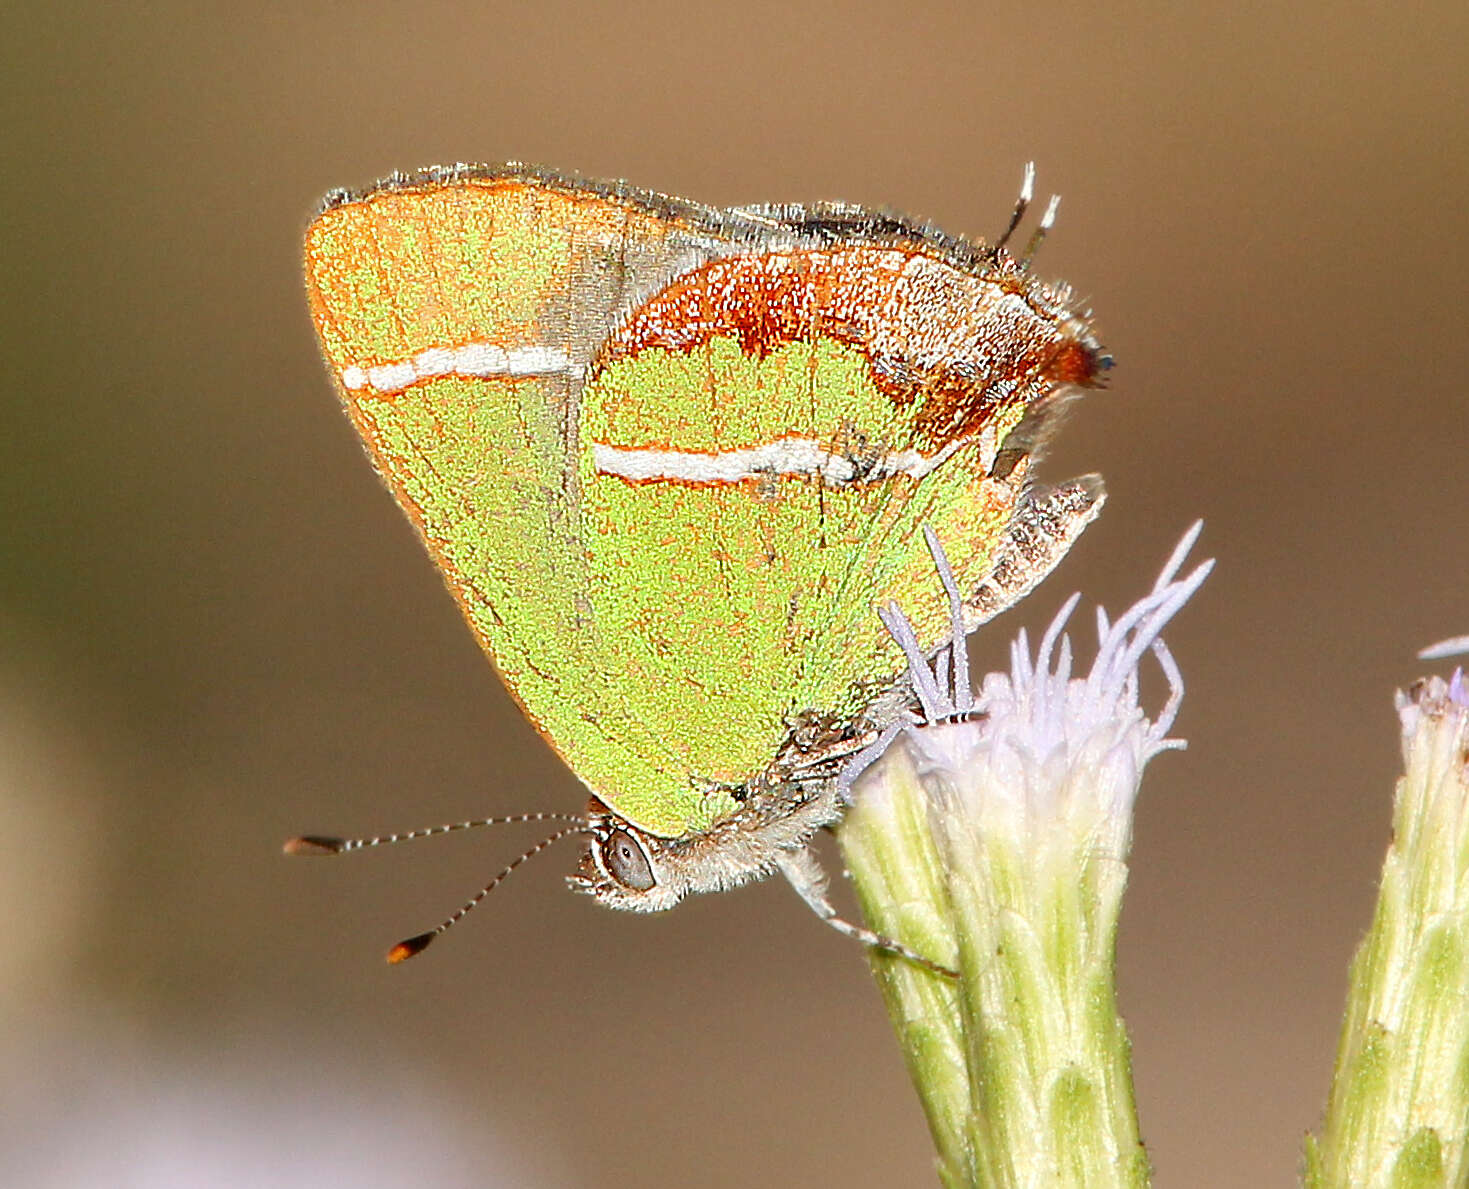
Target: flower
(993, 837)
(1399, 1098)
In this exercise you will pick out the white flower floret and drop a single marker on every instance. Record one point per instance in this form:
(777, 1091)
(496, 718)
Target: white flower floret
(993, 837)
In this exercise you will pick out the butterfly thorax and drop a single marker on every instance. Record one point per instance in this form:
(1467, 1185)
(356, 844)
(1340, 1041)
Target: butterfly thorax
(778, 810)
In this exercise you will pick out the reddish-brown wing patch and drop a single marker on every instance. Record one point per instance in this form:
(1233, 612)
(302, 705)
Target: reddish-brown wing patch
(955, 343)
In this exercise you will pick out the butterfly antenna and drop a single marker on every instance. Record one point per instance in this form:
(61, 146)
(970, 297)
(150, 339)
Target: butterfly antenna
(1027, 192)
(326, 844)
(1037, 237)
(416, 945)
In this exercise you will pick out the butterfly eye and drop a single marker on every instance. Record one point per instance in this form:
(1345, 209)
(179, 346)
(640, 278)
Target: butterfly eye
(626, 862)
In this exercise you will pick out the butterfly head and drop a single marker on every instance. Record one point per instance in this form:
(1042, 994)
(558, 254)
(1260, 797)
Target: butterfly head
(625, 867)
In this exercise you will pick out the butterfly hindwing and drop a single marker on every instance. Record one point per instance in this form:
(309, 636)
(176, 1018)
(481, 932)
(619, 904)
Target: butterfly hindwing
(762, 441)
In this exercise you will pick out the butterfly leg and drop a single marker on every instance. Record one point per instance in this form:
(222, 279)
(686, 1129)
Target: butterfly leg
(803, 869)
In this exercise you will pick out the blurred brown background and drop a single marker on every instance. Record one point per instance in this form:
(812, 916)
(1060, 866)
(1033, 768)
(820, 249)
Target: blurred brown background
(217, 629)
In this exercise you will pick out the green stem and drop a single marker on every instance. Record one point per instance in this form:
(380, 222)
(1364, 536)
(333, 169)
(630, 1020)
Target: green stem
(1398, 1111)
(900, 883)
(1022, 1065)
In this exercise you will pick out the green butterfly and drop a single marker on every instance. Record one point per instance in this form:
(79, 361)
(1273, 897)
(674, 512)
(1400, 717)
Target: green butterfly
(671, 459)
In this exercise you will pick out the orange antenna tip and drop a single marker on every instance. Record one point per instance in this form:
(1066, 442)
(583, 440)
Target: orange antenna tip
(313, 844)
(408, 947)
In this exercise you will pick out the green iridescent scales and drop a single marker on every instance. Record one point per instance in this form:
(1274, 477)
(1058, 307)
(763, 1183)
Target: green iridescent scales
(660, 634)
(482, 465)
(727, 610)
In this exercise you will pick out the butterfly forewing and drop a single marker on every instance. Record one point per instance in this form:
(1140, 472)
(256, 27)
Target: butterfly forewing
(519, 281)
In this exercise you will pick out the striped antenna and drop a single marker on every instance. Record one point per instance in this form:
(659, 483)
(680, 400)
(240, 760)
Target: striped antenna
(325, 844)
(416, 945)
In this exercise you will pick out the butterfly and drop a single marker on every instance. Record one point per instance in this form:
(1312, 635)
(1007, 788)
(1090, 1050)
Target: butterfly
(670, 459)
